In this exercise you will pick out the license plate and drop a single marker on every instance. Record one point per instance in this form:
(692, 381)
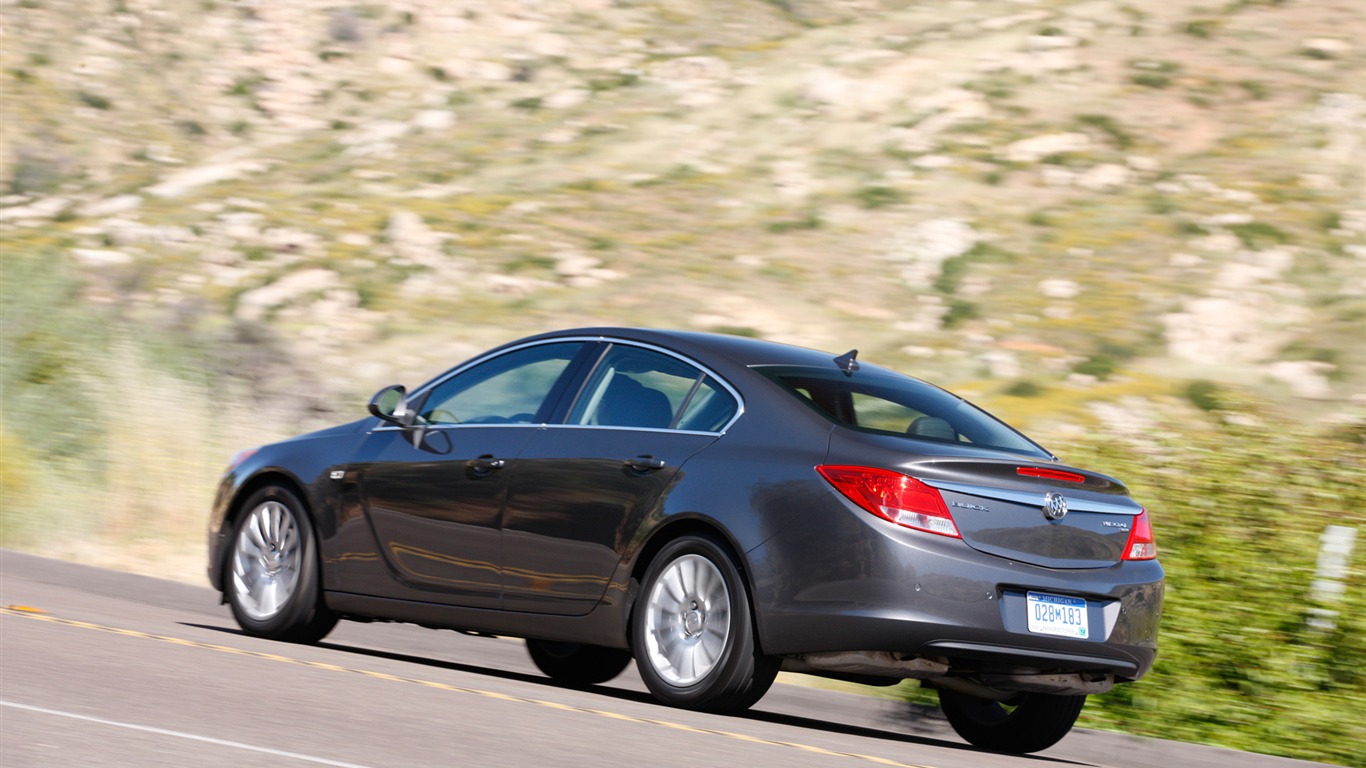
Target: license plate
(1057, 615)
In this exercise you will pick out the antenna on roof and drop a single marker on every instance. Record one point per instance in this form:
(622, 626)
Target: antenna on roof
(847, 363)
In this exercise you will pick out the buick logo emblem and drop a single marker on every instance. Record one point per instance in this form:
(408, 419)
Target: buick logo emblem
(1054, 506)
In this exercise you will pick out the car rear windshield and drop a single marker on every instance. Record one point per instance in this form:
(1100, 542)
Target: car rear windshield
(892, 404)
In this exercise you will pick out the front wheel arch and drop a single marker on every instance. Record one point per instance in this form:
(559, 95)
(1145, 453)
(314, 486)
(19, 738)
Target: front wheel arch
(280, 554)
(238, 507)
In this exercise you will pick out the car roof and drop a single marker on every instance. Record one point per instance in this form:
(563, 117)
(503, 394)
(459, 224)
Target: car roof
(741, 351)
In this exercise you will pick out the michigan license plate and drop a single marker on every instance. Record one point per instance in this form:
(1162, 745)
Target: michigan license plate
(1057, 615)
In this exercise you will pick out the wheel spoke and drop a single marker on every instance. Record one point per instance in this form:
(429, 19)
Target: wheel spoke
(706, 653)
(288, 541)
(706, 583)
(276, 520)
(673, 647)
(255, 533)
(673, 583)
(261, 594)
(687, 574)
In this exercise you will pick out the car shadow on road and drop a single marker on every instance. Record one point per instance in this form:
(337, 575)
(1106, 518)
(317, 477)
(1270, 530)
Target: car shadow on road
(425, 661)
(812, 724)
(913, 712)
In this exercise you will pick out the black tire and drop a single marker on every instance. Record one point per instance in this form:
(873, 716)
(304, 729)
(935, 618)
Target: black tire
(692, 630)
(271, 574)
(1030, 722)
(577, 664)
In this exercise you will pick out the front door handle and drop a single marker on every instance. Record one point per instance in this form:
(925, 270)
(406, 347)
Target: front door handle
(645, 463)
(485, 464)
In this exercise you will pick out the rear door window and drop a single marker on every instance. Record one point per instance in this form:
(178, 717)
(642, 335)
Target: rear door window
(646, 389)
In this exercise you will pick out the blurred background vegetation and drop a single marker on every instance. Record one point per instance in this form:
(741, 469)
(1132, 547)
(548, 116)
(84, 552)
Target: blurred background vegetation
(1137, 231)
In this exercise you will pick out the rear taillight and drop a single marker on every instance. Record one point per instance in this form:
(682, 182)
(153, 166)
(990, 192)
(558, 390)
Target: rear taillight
(893, 496)
(1141, 545)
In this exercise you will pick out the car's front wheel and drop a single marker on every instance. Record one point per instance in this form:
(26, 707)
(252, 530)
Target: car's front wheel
(1028, 722)
(273, 584)
(576, 663)
(692, 630)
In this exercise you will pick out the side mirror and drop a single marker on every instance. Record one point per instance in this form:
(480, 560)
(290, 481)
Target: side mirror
(390, 404)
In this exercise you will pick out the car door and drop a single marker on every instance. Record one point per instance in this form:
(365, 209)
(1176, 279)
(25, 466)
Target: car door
(582, 488)
(435, 506)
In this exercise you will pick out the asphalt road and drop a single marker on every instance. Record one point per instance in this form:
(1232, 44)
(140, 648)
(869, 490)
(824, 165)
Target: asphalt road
(100, 668)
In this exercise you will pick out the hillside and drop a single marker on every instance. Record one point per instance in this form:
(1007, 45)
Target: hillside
(1093, 217)
(994, 192)
(1137, 230)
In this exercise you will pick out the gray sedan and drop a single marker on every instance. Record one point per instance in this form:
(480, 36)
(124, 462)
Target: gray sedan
(717, 509)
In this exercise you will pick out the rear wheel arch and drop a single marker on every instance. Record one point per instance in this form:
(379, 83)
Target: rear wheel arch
(676, 530)
(681, 664)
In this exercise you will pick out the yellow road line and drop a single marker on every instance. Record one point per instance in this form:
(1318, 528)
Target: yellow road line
(38, 615)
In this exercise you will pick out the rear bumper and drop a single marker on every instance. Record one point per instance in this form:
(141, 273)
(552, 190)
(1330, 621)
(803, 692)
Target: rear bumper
(843, 580)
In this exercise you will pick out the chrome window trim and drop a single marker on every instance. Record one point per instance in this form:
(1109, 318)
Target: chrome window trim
(609, 340)
(538, 425)
(665, 430)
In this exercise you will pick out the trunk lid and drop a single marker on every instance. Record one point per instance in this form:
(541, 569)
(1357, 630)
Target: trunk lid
(1034, 512)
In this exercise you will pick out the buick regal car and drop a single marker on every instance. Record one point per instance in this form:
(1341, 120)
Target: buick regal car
(716, 508)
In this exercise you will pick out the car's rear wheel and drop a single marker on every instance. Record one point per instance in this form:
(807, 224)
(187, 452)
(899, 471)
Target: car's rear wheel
(273, 584)
(576, 663)
(1025, 723)
(692, 630)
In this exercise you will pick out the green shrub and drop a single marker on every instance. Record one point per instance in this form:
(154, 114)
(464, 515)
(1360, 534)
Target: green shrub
(951, 273)
(1238, 512)
(94, 100)
(811, 220)
(878, 196)
(1098, 365)
(959, 313)
(1024, 388)
(1256, 234)
(737, 330)
(1255, 89)
(1110, 127)
(1201, 28)
(1150, 79)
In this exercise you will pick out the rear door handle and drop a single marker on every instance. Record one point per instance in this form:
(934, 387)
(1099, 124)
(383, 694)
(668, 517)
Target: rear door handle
(645, 463)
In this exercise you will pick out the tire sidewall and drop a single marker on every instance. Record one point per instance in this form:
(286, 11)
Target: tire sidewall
(302, 604)
(737, 654)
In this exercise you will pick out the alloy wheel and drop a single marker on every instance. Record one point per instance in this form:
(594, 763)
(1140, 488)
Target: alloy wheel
(266, 560)
(687, 620)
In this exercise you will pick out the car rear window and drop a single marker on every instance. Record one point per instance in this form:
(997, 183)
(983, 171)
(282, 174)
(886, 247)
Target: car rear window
(892, 404)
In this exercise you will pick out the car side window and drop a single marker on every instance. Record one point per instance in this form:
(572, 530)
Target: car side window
(892, 404)
(635, 387)
(509, 389)
(875, 412)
